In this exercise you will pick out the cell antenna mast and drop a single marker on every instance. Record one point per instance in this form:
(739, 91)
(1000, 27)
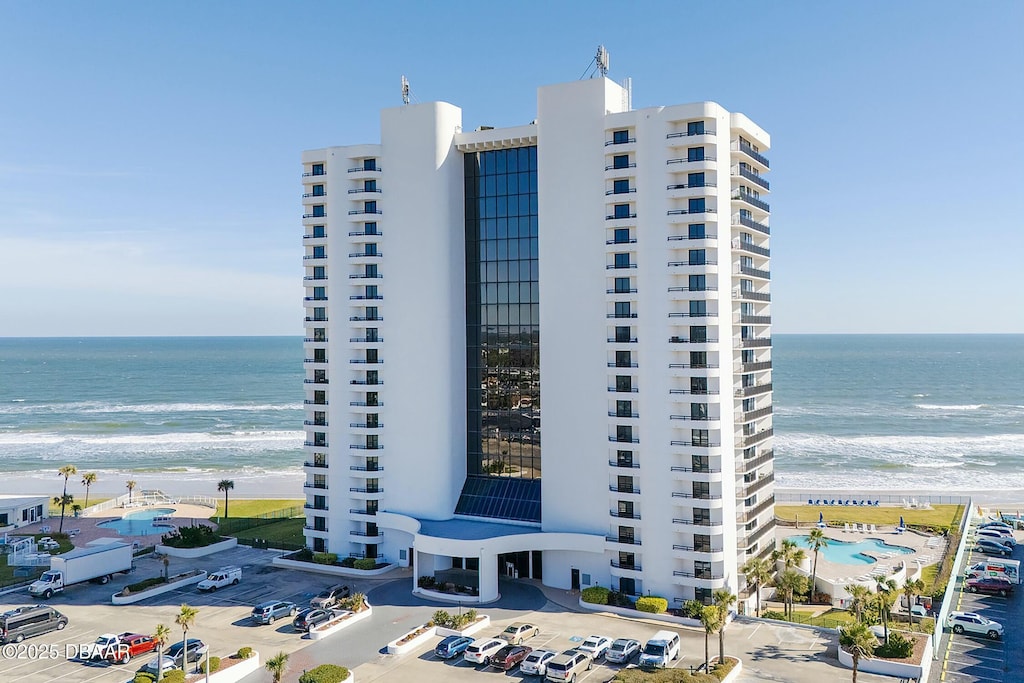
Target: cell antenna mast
(602, 60)
(405, 90)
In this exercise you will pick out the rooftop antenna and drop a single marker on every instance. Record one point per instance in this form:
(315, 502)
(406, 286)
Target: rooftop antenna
(602, 60)
(405, 90)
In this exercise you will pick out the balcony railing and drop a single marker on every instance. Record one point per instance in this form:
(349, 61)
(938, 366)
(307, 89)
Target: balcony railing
(754, 486)
(749, 199)
(690, 161)
(755, 390)
(695, 392)
(756, 367)
(629, 190)
(358, 511)
(696, 444)
(616, 266)
(626, 540)
(748, 150)
(705, 236)
(699, 470)
(755, 272)
(697, 522)
(623, 515)
(363, 361)
(613, 167)
(357, 190)
(747, 541)
(363, 233)
(616, 439)
(359, 297)
(608, 143)
(307, 485)
(754, 439)
(627, 390)
(685, 134)
(705, 314)
(314, 215)
(322, 529)
(356, 489)
(307, 195)
(697, 549)
(358, 169)
(684, 212)
(357, 468)
(752, 177)
(623, 489)
(755, 342)
(318, 465)
(623, 365)
(314, 175)
(625, 565)
(359, 254)
(616, 217)
(359, 212)
(756, 319)
(753, 249)
(366, 425)
(751, 415)
(617, 340)
(752, 224)
(612, 413)
(694, 366)
(616, 463)
(621, 315)
(744, 517)
(697, 496)
(753, 296)
(366, 339)
(621, 291)
(310, 506)
(361, 404)
(684, 186)
(697, 340)
(744, 466)
(363, 318)
(364, 447)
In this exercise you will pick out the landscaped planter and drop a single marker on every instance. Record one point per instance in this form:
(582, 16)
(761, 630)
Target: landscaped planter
(637, 614)
(331, 569)
(192, 553)
(907, 668)
(173, 583)
(412, 640)
(483, 621)
(233, 670)
(334, 625)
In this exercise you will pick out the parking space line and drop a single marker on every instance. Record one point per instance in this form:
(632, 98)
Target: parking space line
(975, 666)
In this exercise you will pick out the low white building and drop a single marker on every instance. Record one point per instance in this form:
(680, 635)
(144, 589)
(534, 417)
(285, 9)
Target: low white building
(599, 277)
(17, 511)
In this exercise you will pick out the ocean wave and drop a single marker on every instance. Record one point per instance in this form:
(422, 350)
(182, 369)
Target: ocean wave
(93, 407)
(929, 406)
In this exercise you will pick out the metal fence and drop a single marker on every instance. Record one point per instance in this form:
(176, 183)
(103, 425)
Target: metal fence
(902, 499)
(231, 525)
(951, 587)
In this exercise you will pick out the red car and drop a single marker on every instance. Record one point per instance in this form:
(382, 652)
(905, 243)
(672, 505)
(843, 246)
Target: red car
(131, 645)
(993, 585)
(510, 656)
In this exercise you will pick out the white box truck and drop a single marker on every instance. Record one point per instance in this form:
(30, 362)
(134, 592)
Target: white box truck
(991, 566)
(97, 563)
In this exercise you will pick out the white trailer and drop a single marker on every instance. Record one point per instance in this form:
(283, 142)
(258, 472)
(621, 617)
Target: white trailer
(97, 563)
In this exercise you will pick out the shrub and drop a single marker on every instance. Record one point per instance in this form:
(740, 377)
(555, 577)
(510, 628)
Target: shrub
(365, 563)
(143, 677)
(772, 614)
(618, 599)
(195, 536)
(349, 562)
(325, 673)
(353, 603)
(595, 595)
(426, 582)
(214, 664)
(244, 652)
(898, 647)
(304, 555)
(325, 558)
(692, 609)
(143, 585)
(174, 676)
(652, 604)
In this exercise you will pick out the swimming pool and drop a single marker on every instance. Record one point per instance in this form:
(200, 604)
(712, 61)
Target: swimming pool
(845, 552)
(140, 523)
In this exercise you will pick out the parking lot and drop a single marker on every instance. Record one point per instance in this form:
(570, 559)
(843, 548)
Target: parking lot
(969, 658)
(769, 652)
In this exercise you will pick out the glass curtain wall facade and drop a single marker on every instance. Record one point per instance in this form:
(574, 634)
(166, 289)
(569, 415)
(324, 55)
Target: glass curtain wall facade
(502, 336)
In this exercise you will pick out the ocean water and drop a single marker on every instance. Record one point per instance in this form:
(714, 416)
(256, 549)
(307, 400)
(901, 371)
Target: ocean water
(935, 412)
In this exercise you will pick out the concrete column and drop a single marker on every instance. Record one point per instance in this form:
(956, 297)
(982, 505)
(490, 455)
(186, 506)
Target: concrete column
(488, 576)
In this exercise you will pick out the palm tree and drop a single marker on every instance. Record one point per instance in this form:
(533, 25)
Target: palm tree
(67, 472)
(790, 582)
(276, 666)
(859, 594)
(790, 554)
(912, 587)
(130, 485)
(759, 572)
(859, 641)
(161, 636)
(885, 594)
(65, 501)
(225, 485)
(817, 540)
(185, 619)
(88, 479)
(723, 599)
(710, 618)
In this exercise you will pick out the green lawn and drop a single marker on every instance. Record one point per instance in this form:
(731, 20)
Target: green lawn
(939, 517)
(249, 507)
(284, 531)
(80, 499)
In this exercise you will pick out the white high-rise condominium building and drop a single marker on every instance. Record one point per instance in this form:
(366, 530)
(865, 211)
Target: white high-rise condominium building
(543, 351)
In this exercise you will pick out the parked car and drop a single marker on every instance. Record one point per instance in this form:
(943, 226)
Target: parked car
(970, 622)
(995, 525)
(105, 644)
(480, 651)
(993, 585)
(311, 617)
(997, 535)
(992, 547)
(270, 611)
(329, 597)
(452, 646)
(225, 576)
(33, 620)
(174, 657)
(510, 656)
(536, 663)
(595, 646)
(568, 665)
(132, 645)
(622, 651)
(518, 632)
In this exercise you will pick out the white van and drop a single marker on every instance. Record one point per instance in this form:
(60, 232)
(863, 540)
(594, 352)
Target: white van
(662, 648)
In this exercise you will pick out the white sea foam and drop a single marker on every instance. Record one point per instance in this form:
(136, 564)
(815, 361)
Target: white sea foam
(155, 443)
(929, 406)
(93, 407)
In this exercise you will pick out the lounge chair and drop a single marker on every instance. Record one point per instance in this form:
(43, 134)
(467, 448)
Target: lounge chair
(810, 502)
(873, 529)
(817, 502)
(846, 526)
(833, 502)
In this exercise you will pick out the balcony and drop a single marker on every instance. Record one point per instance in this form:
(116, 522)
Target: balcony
(751, 295)
(755, 390)
(310, 506)
(705, 236)
(754, 342)
(371, 470)
(754, 272)
(632, 490)
(315, 423)
(705, 314)
(363, 361)
(751, 464)
(752, 513)
(621, 316)
(623, 340)
(363, 233)
(616, 266)
(307, 195)
(687, 212)
(751, 248)
(623, 540)
(756, 367)
(749, 151)
(621, 291)
(690, 161)
(359, 511)
(685, 134)
(365, 340)
(748, 198)
(613, 167)
(697, 496)
(308, 485)
(694, 366)
(365, 276)
(319, 530)
(626, 466)
(752, 415)
(366, 425)
(630, 190)
(703, 474)
(751, 176)
(704, 526)
(757, 438)
(313, 215)
(695, 444)
(626, 390)
(363, 212)
(754, 486)
(747, 541)
(696, 340)
(364, 404)
(623, 365)
(627, 141)
(314, 257)
(370, 297)
(620, 217)
(310, 174)
(364, 447)
(626, 566)
(752, 224)
(623, 515)
(756, 319)
(363, 318)
(362, 190)
(363, 254)
(315, 403)
(616, 439)
(367, 491)
(691, 418)
(694, 392)
(317, 465)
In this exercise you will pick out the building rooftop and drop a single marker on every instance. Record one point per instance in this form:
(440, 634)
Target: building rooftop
(471, 530)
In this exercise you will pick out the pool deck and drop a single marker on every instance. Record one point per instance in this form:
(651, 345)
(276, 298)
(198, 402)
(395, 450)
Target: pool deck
(183, 515)
(926, 550)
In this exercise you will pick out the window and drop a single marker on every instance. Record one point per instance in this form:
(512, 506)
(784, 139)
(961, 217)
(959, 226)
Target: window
(371, 313)
(699, 385)
(698, 359)
(696, 205)
(697, 283)
(371, 398)
(318, 211)
(320, 523)
(319, 314)
(372, 442)
(318, 190)
(371, 356)
(622, 284)
(369, 164)
(695, 180)
(700, 463)
(371, 292)
(318, 169)
(702, 543)
(697, 257)
(319, 252)
(626, 509)
(320, 398)
(623, 383)
(624, 458)
(369, 186)
(622, 236)
(695, 154)
(624, 434)
(698, 309)
(627, 560)
(621, 211)
(319, 231)
(319, 334)
(625, 484)
(370, 207)
(699, 437)
(370, 229)
(624, 409)
(623, 359)
(698, 411)
(626, 534)
(622, 335)
(620, 186)
(370, 249)
(620, 161)
(370, 270)
(747, 356)
(696, 231)
(749, 404)
(371, 377)
(698, 334)
(320, 293)
(622, 309)
(620, 137)
(695, 128)
(371, 334)
(701, 570)
(622, 260)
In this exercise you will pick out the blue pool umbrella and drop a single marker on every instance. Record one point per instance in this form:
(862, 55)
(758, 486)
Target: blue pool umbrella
(901, 521)
(821, 520)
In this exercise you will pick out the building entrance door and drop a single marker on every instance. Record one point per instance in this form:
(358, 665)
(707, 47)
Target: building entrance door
(575, 582)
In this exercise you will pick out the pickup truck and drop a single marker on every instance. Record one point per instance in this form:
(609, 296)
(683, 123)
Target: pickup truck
(225, 576)
(131, 645)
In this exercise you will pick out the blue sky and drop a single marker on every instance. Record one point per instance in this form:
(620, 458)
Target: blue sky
(149, 152)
